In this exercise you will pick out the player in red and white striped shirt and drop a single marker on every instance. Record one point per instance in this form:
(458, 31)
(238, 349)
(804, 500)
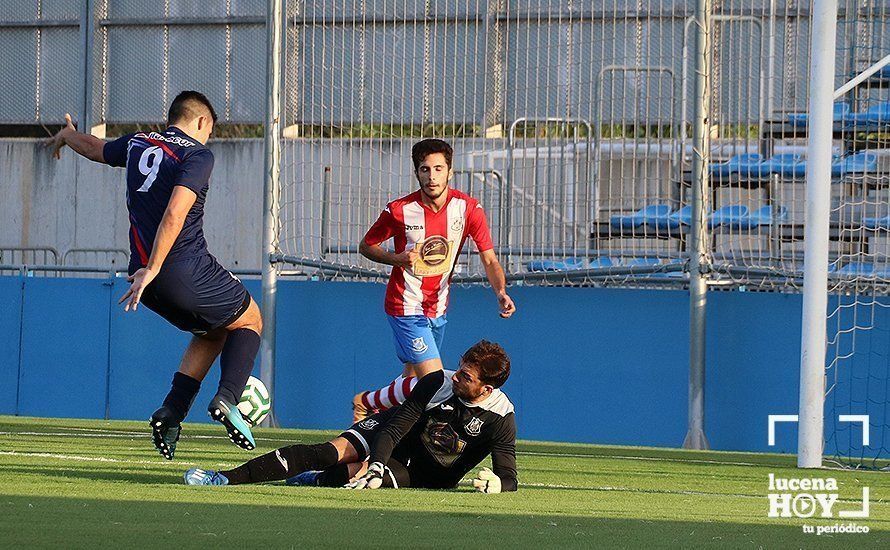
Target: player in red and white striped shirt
(429, 228)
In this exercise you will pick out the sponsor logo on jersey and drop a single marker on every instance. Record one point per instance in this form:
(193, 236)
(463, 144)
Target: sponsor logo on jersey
(176, 140)
(457, 224)
(474, 426)
(447, 407)
(413, 227)
(445, 439)
(368, 424)
(281, 459)
(419, 345)
(434, 250)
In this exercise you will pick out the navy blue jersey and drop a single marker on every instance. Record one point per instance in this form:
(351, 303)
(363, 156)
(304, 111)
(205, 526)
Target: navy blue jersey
(156, 163)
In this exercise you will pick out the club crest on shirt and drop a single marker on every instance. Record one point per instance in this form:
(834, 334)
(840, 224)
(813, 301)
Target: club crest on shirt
(457, 224)
(367, 424)
(419, 345)
(474, 426)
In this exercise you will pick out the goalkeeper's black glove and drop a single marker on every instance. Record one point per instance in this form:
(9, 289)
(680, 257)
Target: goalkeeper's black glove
(372, 479)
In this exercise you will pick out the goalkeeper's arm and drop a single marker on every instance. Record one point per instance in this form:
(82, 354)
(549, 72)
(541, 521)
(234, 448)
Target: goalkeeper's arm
(408, 414)
(503, 461)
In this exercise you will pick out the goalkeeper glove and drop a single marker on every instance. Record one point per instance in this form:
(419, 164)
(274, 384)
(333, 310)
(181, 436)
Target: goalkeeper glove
(372, 479)
(487, 481)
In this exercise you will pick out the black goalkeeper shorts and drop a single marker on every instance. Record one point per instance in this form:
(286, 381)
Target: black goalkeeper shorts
(403, 468)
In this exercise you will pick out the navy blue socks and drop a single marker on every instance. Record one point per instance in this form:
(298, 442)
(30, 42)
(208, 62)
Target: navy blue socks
(236, 362)
(182, 395)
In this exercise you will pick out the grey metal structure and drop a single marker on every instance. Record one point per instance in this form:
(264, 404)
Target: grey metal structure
(121, 61)
(698, 255)
(272, 189)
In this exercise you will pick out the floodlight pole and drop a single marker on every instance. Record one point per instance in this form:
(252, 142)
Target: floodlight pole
(699, 263)
(818, 206)
(272, 190)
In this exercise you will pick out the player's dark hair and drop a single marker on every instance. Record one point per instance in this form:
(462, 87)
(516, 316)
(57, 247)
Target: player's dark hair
(491, 362)
(187, 105)
(427, 147)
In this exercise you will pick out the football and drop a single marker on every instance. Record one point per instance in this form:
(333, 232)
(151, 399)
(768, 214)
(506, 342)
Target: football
(255, 402)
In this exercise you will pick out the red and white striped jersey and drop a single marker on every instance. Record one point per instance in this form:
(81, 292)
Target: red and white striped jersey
(438, 238)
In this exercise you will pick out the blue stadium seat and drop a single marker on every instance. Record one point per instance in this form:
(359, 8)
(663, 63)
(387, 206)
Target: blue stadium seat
(731, 215)
(652, 262)
(786, 164)
(640, 217)
(856, 163)
(876, 115)
(570, 264)
(841, 109)
(743, 163)
(864, 269)
(762, 216)
(673, 220)
(878, 222)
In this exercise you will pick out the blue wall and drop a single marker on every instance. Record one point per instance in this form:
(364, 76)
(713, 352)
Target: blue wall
(589, 365)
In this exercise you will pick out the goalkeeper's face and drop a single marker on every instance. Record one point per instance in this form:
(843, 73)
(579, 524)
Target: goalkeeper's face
(467, 384)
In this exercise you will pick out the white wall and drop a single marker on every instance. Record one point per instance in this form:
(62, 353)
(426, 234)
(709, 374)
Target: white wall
(76, 203)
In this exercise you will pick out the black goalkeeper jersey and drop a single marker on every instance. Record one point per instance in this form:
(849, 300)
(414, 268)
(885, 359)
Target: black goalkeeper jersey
(442, 437)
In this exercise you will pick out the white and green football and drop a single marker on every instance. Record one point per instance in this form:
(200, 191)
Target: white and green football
(255, 402)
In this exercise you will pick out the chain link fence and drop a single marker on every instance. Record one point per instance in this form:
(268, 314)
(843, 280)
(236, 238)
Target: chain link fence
(584, 109)
(123, 61)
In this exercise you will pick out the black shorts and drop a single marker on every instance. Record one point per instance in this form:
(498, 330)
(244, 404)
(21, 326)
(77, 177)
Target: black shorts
(197, 295)
(405, 468)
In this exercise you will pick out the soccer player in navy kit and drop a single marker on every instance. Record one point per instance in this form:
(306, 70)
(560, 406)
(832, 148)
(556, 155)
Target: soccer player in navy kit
(171, 270)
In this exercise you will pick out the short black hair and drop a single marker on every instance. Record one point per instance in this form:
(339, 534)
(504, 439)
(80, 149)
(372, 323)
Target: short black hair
(427, 147)
(490, 361)
(187, 105)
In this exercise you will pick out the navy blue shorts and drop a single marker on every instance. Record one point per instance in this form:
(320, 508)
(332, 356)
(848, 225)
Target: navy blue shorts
(197, 295)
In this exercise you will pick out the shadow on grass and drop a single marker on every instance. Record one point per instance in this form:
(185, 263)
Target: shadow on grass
(70, 522)
(99, 473)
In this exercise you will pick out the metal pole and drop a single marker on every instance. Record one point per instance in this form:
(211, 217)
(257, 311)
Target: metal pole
(325, 213)
(771, 61)
(272, 188)
(86, 31)
(818, 203)
(861, 77)
(699, 264)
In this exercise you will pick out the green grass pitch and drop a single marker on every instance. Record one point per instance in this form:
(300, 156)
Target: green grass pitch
(85, 483)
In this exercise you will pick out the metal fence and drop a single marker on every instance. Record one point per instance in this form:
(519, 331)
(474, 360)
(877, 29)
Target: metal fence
(122, 61)
(486, 63)
(568, 114)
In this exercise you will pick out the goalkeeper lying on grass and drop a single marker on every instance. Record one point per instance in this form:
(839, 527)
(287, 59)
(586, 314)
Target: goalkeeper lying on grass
(444, 429)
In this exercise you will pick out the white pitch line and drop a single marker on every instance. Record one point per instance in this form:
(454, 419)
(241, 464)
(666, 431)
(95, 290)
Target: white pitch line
(134, 435)
(607, 488)
(83, 458)
(128, 435)
(662, 459)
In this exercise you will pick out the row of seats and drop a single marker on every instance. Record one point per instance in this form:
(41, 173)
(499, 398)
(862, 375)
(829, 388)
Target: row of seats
(842, 113)
(850, 269)
(752, 166)
(736, 216)
(874, 223)
(602, 262)
(861, 269)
